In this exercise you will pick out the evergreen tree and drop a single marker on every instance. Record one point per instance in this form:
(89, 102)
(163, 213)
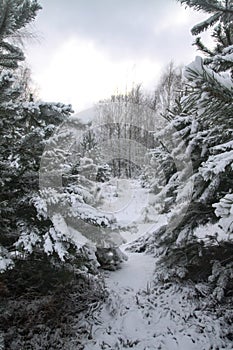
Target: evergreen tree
(27, 228)
(15, 15)
(203, 129)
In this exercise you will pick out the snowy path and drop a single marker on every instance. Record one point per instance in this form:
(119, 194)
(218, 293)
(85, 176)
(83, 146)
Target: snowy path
(143, 316)
(135, 273)
(121, 323)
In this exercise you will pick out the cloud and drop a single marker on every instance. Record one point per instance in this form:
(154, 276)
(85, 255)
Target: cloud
(119, 27)
(80, 74)
(92, 47)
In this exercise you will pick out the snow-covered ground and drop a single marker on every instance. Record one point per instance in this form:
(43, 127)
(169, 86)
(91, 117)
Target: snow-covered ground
(124, 199)
(142, 315)
(128, 203)
(121, 321)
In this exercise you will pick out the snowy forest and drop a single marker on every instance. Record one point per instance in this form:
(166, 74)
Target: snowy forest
(116, 231)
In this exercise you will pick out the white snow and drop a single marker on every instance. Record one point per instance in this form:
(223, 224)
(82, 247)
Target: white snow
(134, 274)
(126, 200)
(143, 315)
(85, 116)
(121, 320)
(216, 164)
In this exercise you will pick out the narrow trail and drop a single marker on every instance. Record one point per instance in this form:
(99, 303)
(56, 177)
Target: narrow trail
(135, 273)
(143, 316)
(122, 322)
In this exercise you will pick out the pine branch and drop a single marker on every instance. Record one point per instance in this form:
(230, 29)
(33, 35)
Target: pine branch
(4, 19)
(212, 92)
(10, 55)
(208, 6)
(26, 12)
(218, 35)
(16, 14)
(200, 27)
(201, 47)
(228, 32)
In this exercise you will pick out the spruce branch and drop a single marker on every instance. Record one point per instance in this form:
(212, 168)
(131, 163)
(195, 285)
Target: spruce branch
(208, 6)
(200, 27)
(201, 47)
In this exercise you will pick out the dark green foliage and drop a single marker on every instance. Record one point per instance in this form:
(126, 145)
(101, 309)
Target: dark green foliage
(42, 306)
(202, 123)
(222, 15)
(47, 280)
(103, 173)
(25, 129)
(225, 7)
(14, 15)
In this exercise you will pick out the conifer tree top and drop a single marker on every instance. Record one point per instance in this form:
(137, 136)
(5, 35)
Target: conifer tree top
(16, 14)
(210, 6)
(221, 10)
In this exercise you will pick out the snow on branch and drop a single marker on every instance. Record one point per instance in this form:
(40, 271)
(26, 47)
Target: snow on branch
(216, 164)
(207, 83)
(224, 210)
(5, 260)
(208, 6)
(200, 27)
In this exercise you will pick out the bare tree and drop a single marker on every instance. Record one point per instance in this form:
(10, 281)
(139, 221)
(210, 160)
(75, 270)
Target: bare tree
(169, 88)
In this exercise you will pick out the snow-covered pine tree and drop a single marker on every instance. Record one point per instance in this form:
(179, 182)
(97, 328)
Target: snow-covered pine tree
(204, 125)
(221, 12)
(15, 15)
(31, 241)
(26, 128)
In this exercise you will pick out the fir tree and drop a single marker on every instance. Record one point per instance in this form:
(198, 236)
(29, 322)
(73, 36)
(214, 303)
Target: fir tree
(27, 228)
(204, 127)
(15, 15)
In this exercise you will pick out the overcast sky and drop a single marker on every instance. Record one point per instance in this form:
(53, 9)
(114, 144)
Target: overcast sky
(89, 49)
